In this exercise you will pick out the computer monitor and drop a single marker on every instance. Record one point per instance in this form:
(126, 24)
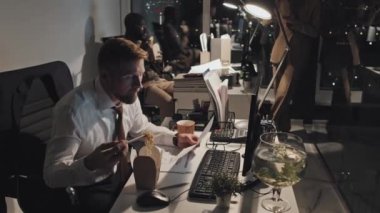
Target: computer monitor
(254, 131)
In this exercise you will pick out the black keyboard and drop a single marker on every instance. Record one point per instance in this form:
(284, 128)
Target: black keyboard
(229, 135)
(213, 162)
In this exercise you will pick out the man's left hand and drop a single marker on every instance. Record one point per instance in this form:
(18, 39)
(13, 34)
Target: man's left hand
(186, 140)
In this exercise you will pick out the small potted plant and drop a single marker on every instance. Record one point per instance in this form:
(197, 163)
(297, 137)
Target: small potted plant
(224, 186)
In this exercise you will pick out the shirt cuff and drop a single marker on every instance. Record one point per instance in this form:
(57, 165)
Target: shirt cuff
(164, 136)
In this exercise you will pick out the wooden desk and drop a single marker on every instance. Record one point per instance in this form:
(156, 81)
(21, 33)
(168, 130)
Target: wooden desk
(247, 202)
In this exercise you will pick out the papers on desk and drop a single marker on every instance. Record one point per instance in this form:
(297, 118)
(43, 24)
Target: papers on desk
(179, 161)
(171, 163)
(219, 92)
(182, 83)
(212, 65)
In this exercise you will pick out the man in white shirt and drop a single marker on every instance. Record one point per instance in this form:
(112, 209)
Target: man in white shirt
(83, 151)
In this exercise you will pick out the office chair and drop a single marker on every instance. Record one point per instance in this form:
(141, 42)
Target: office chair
(28, 96)
(3, 206)
(32, 193)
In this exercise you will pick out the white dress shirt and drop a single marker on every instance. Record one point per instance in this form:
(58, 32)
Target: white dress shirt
(82, 120)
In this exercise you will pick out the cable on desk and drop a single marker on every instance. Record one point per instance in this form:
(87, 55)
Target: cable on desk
(250, 185)
(241, 145)
(214, 145)
(224, 144)
(174, 172)
(261, 193)
(231, 117)
(178, 195)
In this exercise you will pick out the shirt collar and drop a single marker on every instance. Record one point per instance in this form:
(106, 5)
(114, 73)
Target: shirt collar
(104, 100)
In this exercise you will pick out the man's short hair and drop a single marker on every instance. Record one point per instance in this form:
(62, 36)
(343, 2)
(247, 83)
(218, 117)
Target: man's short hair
(117, 51)
(132, 20)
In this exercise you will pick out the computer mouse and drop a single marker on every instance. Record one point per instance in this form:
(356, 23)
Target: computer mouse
(153, 198)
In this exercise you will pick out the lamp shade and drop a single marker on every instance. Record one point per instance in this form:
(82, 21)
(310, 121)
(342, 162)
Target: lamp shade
(258, 9)
(232, 4)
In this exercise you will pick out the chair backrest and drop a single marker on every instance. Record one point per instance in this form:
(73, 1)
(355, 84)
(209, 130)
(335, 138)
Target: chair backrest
(27, 97)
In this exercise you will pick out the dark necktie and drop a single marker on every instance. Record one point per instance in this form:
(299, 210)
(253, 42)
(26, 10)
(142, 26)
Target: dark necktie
(124, 165)
(119, 127)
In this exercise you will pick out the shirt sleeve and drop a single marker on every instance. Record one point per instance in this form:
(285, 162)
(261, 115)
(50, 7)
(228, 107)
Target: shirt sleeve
(61, 169)
(161, 135)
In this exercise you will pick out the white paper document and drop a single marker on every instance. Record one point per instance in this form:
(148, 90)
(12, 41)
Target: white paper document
(178, 162)
(218, 91)
(212, 65)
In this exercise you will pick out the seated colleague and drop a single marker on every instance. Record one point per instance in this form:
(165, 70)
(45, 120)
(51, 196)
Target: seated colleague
(85, 150)
(176, 43)
(158, 90)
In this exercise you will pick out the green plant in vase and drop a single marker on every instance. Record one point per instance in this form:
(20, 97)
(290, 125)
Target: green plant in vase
(224, 186)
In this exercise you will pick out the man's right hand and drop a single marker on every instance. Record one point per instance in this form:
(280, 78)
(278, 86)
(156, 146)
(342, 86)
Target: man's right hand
(105, 156)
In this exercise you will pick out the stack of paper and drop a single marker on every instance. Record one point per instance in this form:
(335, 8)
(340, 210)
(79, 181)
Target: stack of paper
(189, 84)
(212, 65)
(219, 93)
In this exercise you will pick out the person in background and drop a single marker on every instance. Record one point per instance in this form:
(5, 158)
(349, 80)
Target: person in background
(175, 45)
(184, 33)
(87, 148)
(158, 91)
(301, 27)
(340, 59)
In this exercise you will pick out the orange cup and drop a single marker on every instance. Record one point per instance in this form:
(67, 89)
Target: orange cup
(185, 126)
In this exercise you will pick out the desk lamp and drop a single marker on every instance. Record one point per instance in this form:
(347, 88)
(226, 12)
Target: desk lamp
(247, 67)
(232, 4)
(260, 9)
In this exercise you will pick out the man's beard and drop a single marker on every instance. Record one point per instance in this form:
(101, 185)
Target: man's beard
(128, 99)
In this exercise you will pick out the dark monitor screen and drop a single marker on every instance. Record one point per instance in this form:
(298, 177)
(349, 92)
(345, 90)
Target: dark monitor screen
(254, 131)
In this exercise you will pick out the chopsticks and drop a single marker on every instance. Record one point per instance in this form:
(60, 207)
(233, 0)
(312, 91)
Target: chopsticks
(136, 138)
(127, 142)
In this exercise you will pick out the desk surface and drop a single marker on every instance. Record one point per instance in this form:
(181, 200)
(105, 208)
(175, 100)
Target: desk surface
(247, 202)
